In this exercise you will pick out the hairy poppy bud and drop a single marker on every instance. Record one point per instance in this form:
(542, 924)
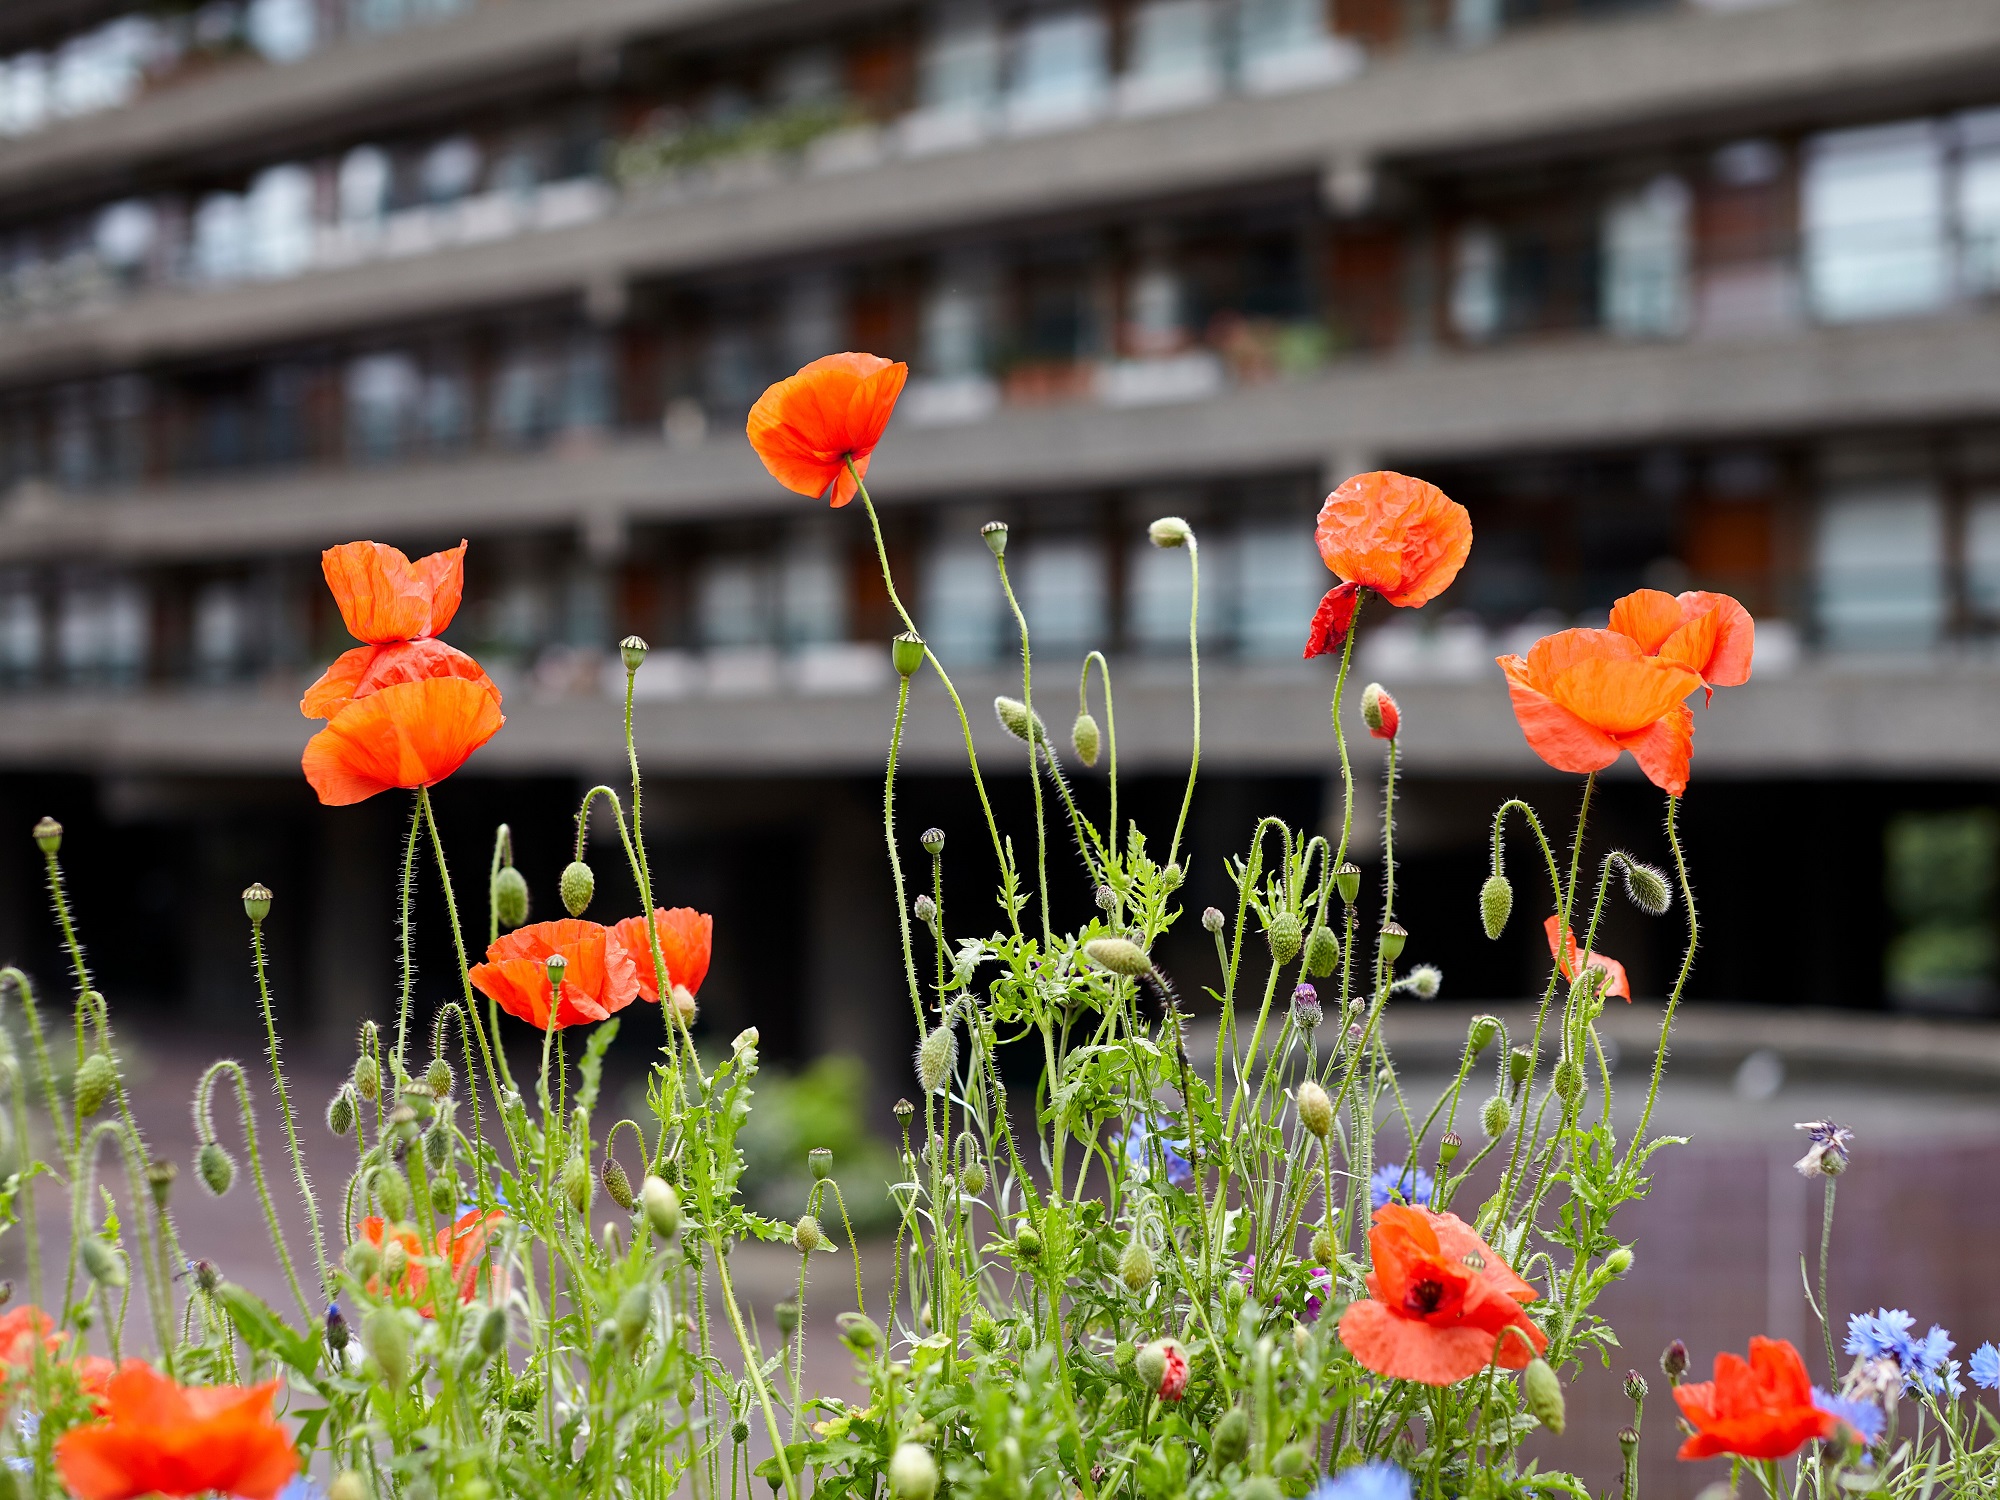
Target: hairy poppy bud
(632, 651)
(392, 1191)
(510, 897)
(1120, 956)
(906, 653)
(1135, 1266)
(578, 885)
(1322, 951)
(1015, 719)
(819, 1161)
(933, 840)
(395, 1261)
(440, 1077)
(1647, 888)
(347, 1485)
(363, 1259)
(1230, 1439)
(1674, 1361)
(806, 1236)
(995, 535)
(1520, 1063)
(617, 1184)
(739, 1432)
(972, 1179)
(1028, 1243)
(1378, 712)
(1347, 880)
(1392, 940)
(1323, 1248)
(913, 1473)
(634, 1315)
(1163, 1366)
(1568, 1080)
(1291, 1461)
(387, 1339)
(105, 1265)
(214, 1167)
(1211, 920)
(937, 1057)
(160, 1175)
(859, 1332)
(340, 1110)
(1479, 1035)
(1284, 934)
(493, 1330)
(95, 1081)
(662, 1206)
(1169, 531)
(1495, 1115)
(1315, 1108)
(924, 909)
(257, 901)
(368, 1078)
(444, 1190)
(48, 835)
(1448, 1148)
(1258, 1487)
(1423, 981)
(1084, 738)
(437, 1146)
(1496, 904)
(1619, 1261)
(1306, 1007)
(1543, 1394)
(576, 1185)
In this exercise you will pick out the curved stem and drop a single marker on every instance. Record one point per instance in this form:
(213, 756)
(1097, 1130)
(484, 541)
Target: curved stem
(1036, 744)
(285, 1104)
(205, 1124)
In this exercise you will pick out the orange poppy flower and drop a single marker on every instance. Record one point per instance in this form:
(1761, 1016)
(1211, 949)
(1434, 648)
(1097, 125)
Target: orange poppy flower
(20, 1327)
(1584, 696)
(1565, 957)
(158, 1438)
(1441, 1302)
(384, 597)
(805, 428)
(93, 1378)
(685, 939)
(601, 977)
(369, 669)
(410, 734)
(461, 1245)
(1388, 532)
(1711, 634)
(1756, 1408)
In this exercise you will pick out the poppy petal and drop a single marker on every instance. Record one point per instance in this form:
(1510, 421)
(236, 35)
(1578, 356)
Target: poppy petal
(686, 938)
(1648, 616)
(385, 597)
(1407, 1349)
(805, 427)
(1566, 965)
(1664, 749)
(1398, 535)
(1729, 660)
(1621, 697)
(369, 669)
(410, 734)
(1333, 618)
(1552, 731)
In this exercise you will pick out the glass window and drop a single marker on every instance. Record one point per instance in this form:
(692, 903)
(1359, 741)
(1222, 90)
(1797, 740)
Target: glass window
(1878, 566)
(450, 169)
(1285, 44)
(101, 630)
(221, 238)
(1475, 283)
(1942, 871)
(221, 628)
(1061, 61)
(1279, 581)
(812, 591)
(962, 603)
(24, 100)
(278, 222)
(1157, 594)
(1171, 56)
(959, 67)
(1062, 589)
(955, 324)
(813, 319)
(282, 31)
(382, 396)
(1979, 200)
(1982, 554)
(586, 399)
(1873, 212)
(732, 602)
(363, 187)
(1645, 285)
(20, 630)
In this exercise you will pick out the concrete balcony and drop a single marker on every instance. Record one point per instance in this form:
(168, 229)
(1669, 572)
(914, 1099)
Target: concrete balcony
(1618, 82)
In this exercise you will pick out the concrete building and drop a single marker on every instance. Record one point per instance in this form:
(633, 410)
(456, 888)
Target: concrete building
(1681, 294)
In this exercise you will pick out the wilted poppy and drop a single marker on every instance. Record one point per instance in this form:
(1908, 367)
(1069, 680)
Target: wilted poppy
(1711, 634)
(1565, 957)
(600, 977)
(383, 596)
(461, 1245)
(1584, 696)
(409, 734)
(806, 427)
(1756, 1408)
(158, 1438)
(1388, 532)
(685, 939)
(1441, 1302)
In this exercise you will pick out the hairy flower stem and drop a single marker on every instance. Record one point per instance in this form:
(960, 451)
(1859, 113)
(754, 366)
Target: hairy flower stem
(285, 1103)
(503, 854)
(896, 859)
(205, 1130)
(1194, 669)
(1823, 1310)
(1110, 737)
(1680, 980)
(1035, 783)
(406, 890)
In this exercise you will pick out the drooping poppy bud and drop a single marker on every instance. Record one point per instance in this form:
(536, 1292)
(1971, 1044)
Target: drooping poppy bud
(493, 1330)
(1120, 956)
(1135, 1265)
(1568, 1080)
(510, 897)
(576, 1185)
(1322, 951)
(1169, 531)
(1647, 888)
(387, 1339)
(368, 1078)
(1495, 1115)
(1015, 719)
(937, 1057)
(1496, 904)
(105, 1265)
(1285, 935)
(913, 1473)
(1084, 738)
(1520, 1063)
(577, 887)
(617, 1184)
(1480, 1034)
(1378, 712)
(95, 1081)
(1543, 1394)
(634, 1315)
(212, 1164)
(1315, 1108)
(662, 1207)
(340, 1111)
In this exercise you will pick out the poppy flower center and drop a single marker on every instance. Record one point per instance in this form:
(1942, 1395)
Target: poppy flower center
(1423, 1297)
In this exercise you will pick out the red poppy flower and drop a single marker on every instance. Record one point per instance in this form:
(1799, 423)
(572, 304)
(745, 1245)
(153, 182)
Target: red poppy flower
(410, 734)
(158, 1438)
(384, 597)
(1759, 1408)
(1584, 696)
(1711, 634)
(805, 428)
(685, 939)
(1441, 1302)
(93, 1377)
(461, 1245)
(369, 669)
(1388, 532)
(600, 979)
(20, 1327)
(1565, 957)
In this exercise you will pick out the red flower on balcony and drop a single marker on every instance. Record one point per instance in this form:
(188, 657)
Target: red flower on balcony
(686, 937)
(1761, 1407)
(1564, 953)
(600, 976)
(1584, 697)
(158, 1438)
(1710, 634)
(1388, 532)
(807, 426)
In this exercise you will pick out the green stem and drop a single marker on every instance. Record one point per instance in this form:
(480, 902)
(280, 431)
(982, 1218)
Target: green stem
(285, 1104)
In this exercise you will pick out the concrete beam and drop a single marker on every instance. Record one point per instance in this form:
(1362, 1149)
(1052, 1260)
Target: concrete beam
(1552, 86)
(1407, 409)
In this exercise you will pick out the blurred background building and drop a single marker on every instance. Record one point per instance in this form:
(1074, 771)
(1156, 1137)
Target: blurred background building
(1681, 293)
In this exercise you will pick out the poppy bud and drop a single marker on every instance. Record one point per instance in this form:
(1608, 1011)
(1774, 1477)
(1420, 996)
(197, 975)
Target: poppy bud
(1028, 1243)
(1495, 1115)
(1171, 876)
(937, 1058)
(257, 901)
(924, 909)
(1347, 880)
(819, 1161)
(806, 1236)
(387, 1339)
(995, 536)
(1674, 1361)
(1230, 1439)
(363, 1260)
(340, 1111)
(1448, 1148)
(444, 1193)
(972, 1179)
(685, 1008)
(1135, 1266)
(1543, 1394)
(1258, 1487)
(1619, 1261)
(1322, 951)
(1150, 1363)
(632, 651)
(1084, 738)
(859, 1332)
(617, 1184)
(214, 1167)
(576, 1184)
(1315, 1109)
(1496, 904)
(1306, 1007)
(1635, 1386)
(105, 1265)
(94, 1082)
(1119, 955)
(395, 1260)
(368, 1078)
(662, 1206)
(1378, 712)
(576, 888)
(1568, 1080)
(902, 1109)
(160, 1175)
(1322, 1248)
(510, 897)
(1423, 981)
(1479, 1035)
(1015, 719)
(913, 1473)
(634, 1315)
(906, 653)
(1211, 920)
(493, 1330)
(1520, 1063)
(347, 1485)
(336, 1328)
(1284, 934)
(48, 835)
(1647, 888)
(392, 1191)
(1169, 531)
(933, 840)
(1290, 1461)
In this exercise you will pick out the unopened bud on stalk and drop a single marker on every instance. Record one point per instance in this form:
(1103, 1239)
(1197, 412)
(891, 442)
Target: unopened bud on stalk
(1347, 880)
(441, 1078)
(906, 653)
(1315, 1109)
(444, 1192)
(937, 1057)
(95, 1081)
(1169, 531)
(1014, 718)
(662, 1207)
(1674, 1361)
(1479, 1035)
(924, 909)
(1495, 1115)
(617, 1185)
(368, 1078)
(1211, 920)
(1085, 739)
(1619, 1261)
(387, 1339)
(1635, 1386)
(933, 840)
(1322, 951)
(634, 1315)
(1028, 1243)
(994, 533)
(1449, 1147)
(1647, 888)
(160, 1175)
(1107, 899)
(1520, 1063)
(1496, 904)
(1120, 956)
(576, 1185)
(859, 1332)
(1306, 1007)
(972, 1179)
(395, 1261)
(1322, 1248)
(214, 1167)
(632, 651)
(1230, 1439)
(347, 1485)
(336, 1328)
(1543, 1394)
(913, 1473)
(510, 897)
(105, 1265)
(685, 1007)
(48, 835)
(1424, 981)
(1135, 1265)
(340, 1110)
(1568, 1080)
(1285, 935)
(739, 1432)
(392, 1191)
(576, 888)
(493, 1330)
(1379, 713)
(363, 1259)
(256, 901)
(1393, 938)
(806, 1235)
(1291, 1461)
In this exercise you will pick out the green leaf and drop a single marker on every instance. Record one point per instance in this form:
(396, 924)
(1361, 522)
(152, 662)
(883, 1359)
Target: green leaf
(263, 1330)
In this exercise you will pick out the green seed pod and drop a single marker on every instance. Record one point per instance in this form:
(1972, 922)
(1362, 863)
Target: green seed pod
(441, 1078)
(105, 1265)
(819, 1161)
(933, 841)
(1347, 880)
(1028, 1244)
(256, 901)
(215, 1167)
(1647, 889)
(576, 1185)
(1628, 1442)
(1135, 1266)
(1322, 951)
(444, 1196)
(634, 1315)
(632, 652)
(662, 1206)
(576, 888)
(1542, 1393)
(1449, 1147)
(48, 835)
(1315, 1109)
(340, 1111)
(387, 1339)
(1230, 1439)
(906, 653)
(1479, 1035)
(1013, 716)
(1568, 1080)
(1495, 1115)
(1119, 955)
(1496, 904)
(1392, 940)
(160, 1175)
(937, 1058)
(806, 1235)
(347, 1485)
(94, 1083)
(617, 1184)
(913, 1473)
(994, 534)
(1085, 739)
(510, 897)
(367, 1078)
(1284, 935)
(1291, 1461)
(493, 1330)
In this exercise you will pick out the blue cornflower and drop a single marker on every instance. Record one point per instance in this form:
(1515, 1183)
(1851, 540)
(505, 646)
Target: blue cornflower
(1882, 1334)
(1930, 1366)
(1986, 1367)
(1370, 1481)
(1140, 1135)
(1395, 1183)
(301, 1487)
(1865, 1417)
